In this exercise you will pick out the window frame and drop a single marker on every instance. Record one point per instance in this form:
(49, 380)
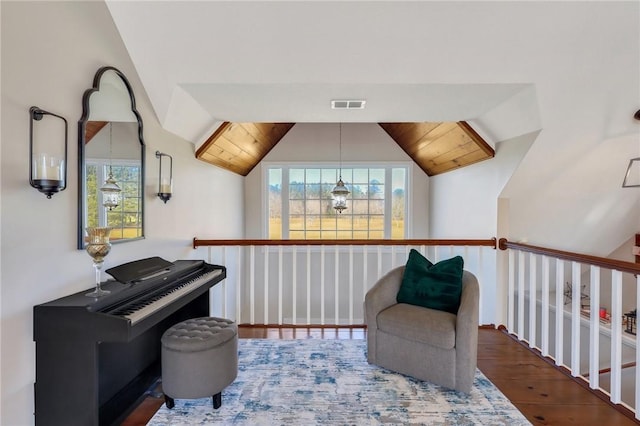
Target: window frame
(287, 165)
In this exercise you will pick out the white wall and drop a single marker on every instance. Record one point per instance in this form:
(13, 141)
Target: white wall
(50, 53)
(319, 142)
(464, 202)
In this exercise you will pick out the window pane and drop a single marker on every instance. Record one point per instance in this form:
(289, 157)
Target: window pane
(377, 175)
(328, 235)
(360, 176)
(313, 190)
(313, 222)
(328, 222)
(344, 235)
(312, 175)
(296, 235)
(313, 207)
(360, 206)
(376, 222)
(360, 235)
(376, 207)
(347, 175)
(313, 235)
(296, 176)
(296, 191)
(398, 203)
(376, 235)
(376, 190)
(309, 204)
(344, 222)
(359, 191)
(296, 222)
(296, 207)
(329, 176)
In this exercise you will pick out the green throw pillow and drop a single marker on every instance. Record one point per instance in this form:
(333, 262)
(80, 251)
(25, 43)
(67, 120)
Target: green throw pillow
(436, 286)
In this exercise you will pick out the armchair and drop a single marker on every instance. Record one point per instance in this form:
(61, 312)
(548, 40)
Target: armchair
(427, 344)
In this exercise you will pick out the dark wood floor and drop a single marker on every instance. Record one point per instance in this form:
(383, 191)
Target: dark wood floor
(545, 395)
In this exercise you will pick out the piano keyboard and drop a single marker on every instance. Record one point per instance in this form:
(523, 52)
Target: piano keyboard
(138, 311)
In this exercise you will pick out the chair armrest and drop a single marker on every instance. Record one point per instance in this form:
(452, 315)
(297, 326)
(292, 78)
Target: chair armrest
(467, 325)
(382, 295)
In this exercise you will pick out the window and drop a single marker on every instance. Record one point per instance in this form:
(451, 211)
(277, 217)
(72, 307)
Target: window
(300, 205)
(126, 219)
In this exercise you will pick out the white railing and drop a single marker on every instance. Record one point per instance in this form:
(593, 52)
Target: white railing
(555, 305)
(289, 282)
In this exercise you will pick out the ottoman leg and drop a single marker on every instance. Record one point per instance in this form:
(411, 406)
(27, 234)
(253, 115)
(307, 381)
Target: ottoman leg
(217, 400)
(169, 402)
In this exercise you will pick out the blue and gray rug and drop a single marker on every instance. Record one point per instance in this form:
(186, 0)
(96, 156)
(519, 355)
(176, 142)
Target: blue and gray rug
(329, 382)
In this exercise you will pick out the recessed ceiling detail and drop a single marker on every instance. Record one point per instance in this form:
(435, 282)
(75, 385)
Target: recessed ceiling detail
(238, 147)
(440, 147)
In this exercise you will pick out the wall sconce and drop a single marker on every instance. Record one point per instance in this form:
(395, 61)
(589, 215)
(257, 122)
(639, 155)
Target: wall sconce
(165, 184)
(47, 172)
(632, 177)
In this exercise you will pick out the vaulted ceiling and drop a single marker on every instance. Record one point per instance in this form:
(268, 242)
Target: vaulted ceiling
(435, 147)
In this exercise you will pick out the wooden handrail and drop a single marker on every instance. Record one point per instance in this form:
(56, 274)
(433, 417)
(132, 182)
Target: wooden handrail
(448, 242)
(619, 265)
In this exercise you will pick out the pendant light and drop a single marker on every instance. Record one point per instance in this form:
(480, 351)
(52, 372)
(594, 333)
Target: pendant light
(110, 189)
(340, 192)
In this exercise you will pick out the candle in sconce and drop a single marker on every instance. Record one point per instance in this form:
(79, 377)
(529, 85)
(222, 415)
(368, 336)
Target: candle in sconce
(47, 167)
(166, 186)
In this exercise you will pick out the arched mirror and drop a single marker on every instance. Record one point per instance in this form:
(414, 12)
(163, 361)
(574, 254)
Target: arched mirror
(110, 159)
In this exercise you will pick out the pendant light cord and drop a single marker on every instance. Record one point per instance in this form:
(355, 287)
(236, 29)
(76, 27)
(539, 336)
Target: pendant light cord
(340, 151)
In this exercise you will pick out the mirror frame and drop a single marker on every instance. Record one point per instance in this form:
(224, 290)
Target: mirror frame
(82, 124)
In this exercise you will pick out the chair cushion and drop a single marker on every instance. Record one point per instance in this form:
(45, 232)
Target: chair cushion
(436, 286)
(428, 326)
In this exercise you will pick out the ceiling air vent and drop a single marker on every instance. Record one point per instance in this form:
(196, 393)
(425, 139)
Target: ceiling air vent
(348, 104)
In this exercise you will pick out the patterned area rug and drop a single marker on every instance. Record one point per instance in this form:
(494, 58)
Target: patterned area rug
(329, 382)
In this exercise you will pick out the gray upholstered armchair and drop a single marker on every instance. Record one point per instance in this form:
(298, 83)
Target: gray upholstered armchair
(427, 344)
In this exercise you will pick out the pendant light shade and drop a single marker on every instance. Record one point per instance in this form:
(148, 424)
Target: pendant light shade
(340, 192)
(110, 189)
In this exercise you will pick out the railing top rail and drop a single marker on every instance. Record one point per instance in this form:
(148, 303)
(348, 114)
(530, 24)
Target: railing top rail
(415, 242)
(619, 265)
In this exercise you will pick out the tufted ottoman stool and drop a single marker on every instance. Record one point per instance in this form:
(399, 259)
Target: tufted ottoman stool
(199, 359)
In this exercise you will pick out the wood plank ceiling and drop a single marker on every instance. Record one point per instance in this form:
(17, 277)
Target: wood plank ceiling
(435, 147)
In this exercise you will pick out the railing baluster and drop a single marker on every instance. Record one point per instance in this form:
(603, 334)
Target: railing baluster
(575, 318)
(544, 332)
(266, 285)
(308, 284)
(239, 287)
(294, 286)
(559, 355)
(280, 284)
(393, 257)
(336, 284)
(594, 328)
(252, 284)
(365, 284)
(224, 285)
(322, 285)
(616, 336)
(379, 261)
(511, 291)
(521, 269)
(533, 300)
(350, 285)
